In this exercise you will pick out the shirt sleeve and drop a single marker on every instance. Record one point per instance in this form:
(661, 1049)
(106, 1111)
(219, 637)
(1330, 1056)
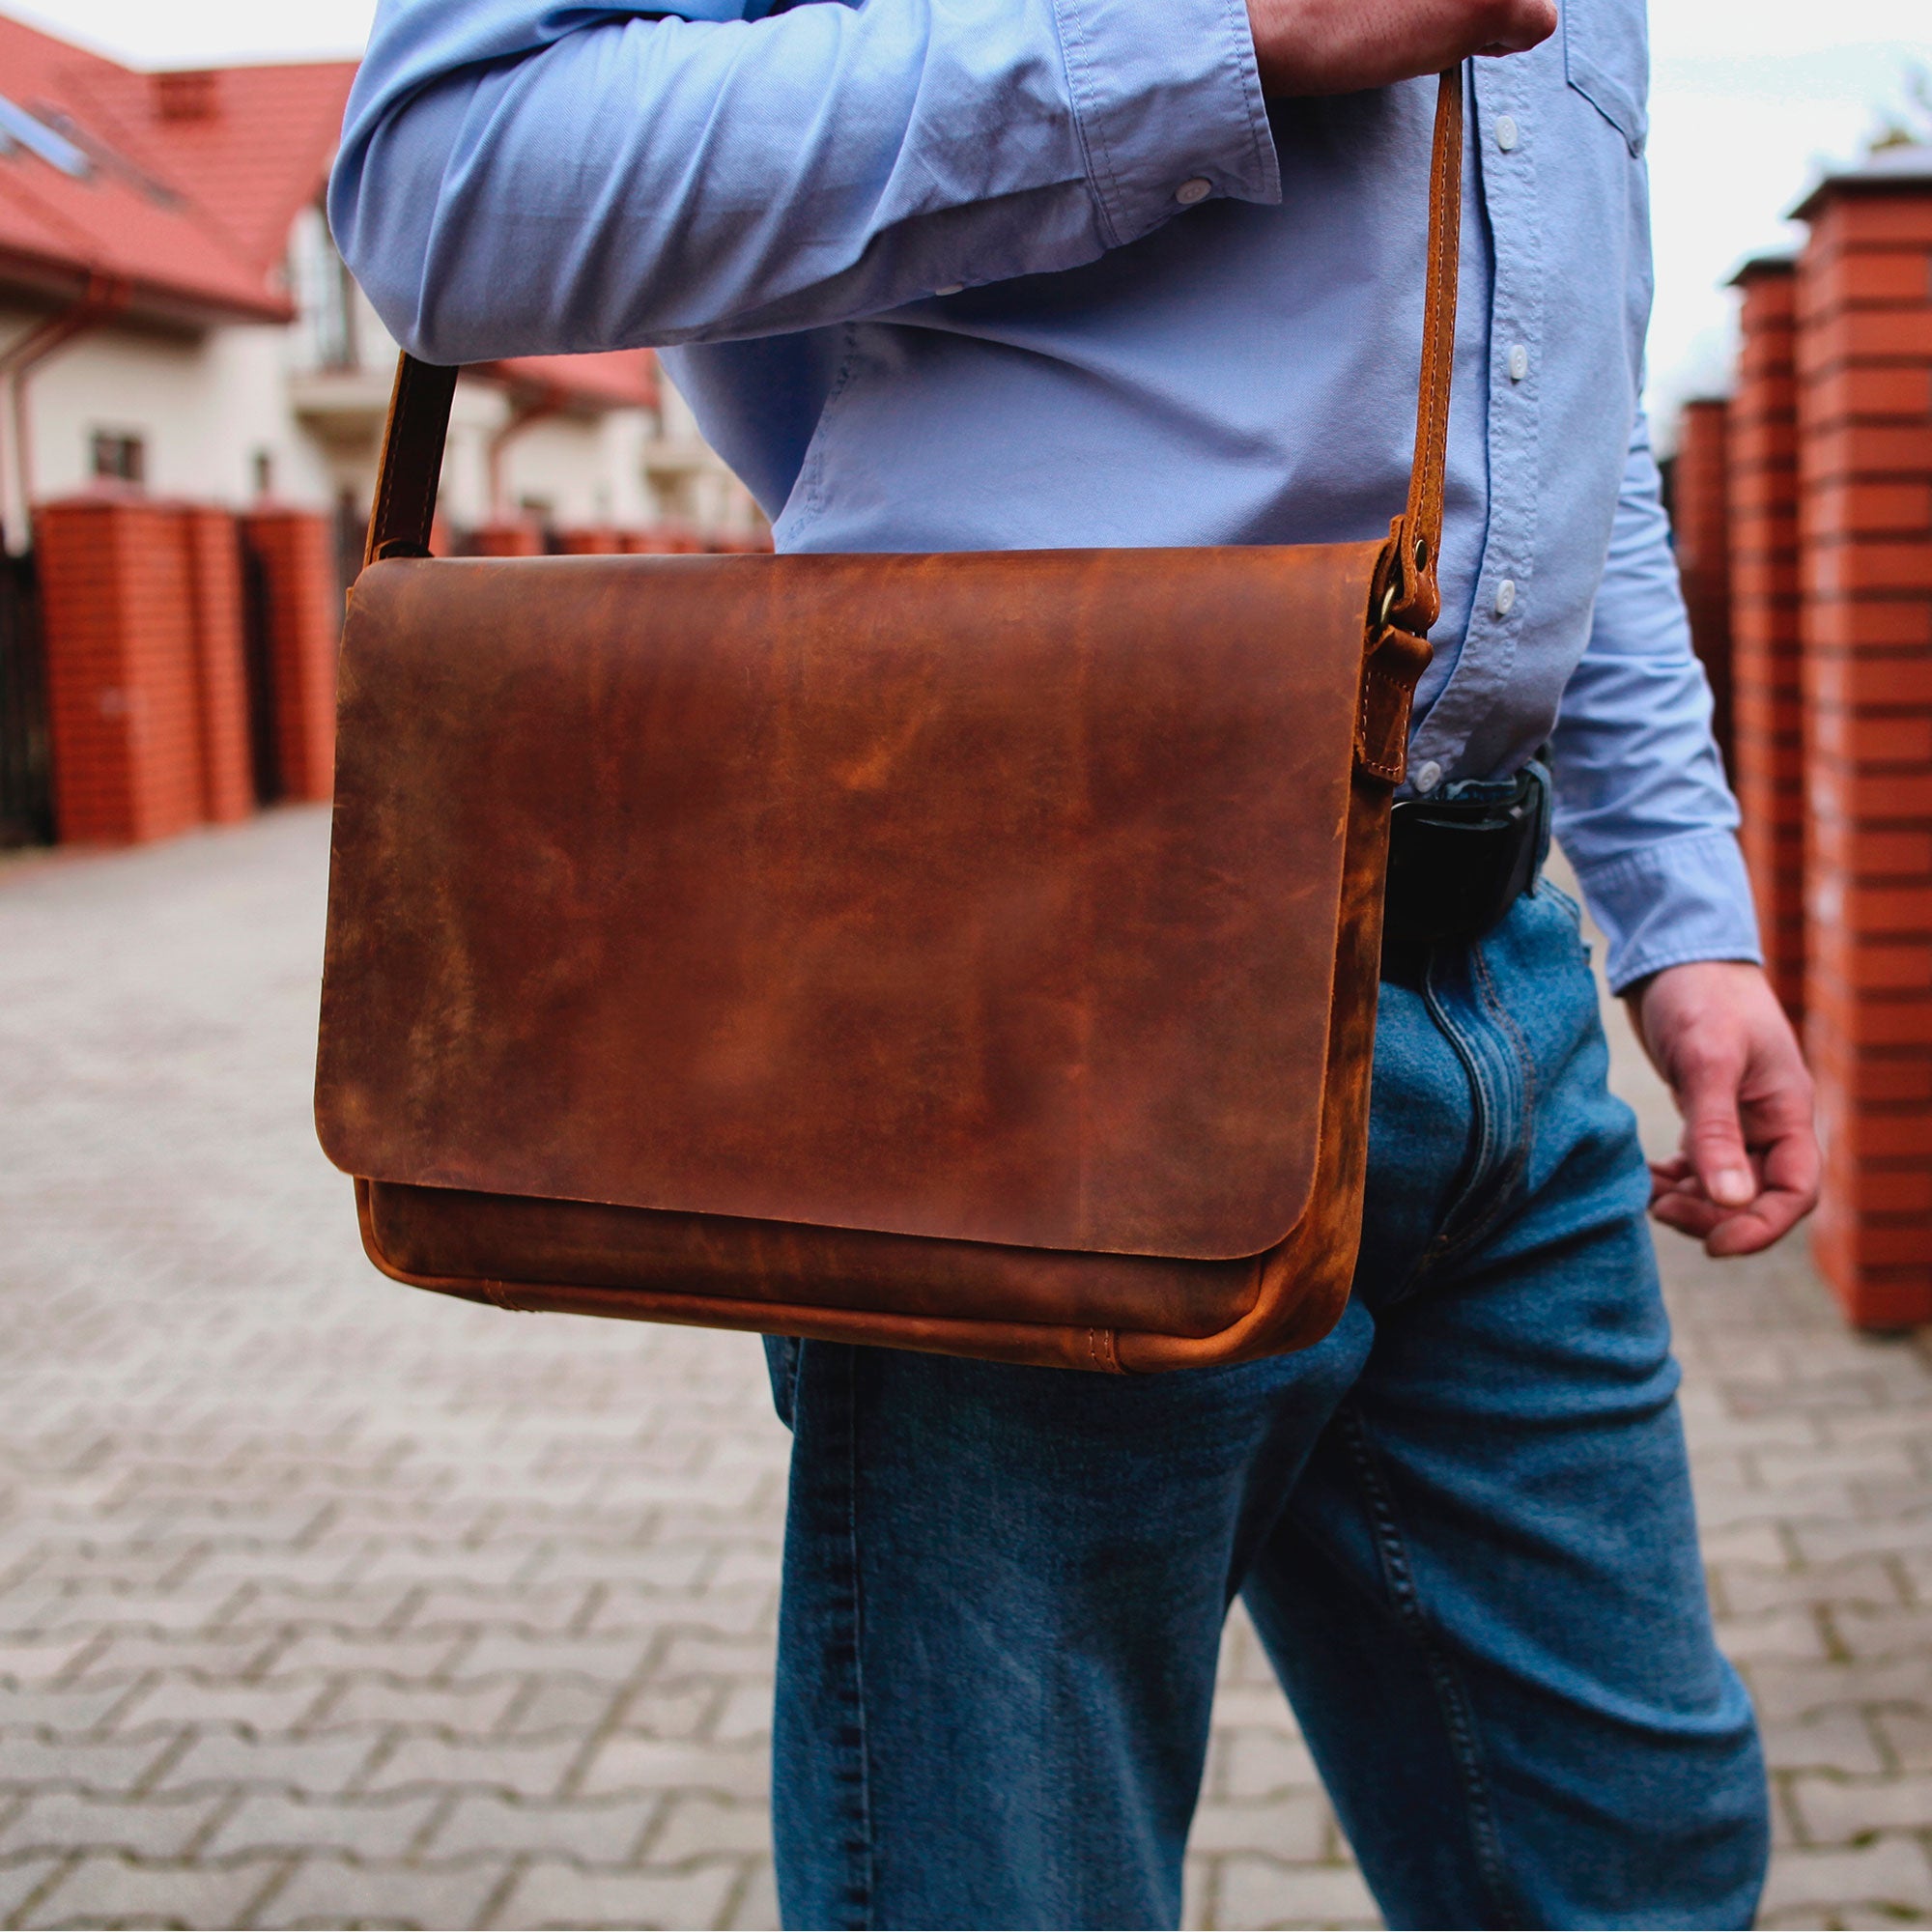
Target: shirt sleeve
(521, 178)
(1642, 806)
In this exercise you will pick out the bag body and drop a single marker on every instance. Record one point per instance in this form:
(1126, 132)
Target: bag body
(973, 952)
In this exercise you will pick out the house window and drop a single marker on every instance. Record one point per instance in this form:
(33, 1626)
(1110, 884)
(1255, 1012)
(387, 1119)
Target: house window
(325, 293)
(339, 347)
(120, 457)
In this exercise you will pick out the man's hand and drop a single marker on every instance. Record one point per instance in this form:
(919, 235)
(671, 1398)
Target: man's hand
(1338, 46)
(1749, 1169)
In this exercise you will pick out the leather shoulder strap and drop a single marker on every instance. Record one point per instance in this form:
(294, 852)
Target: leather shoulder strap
(412, 466)
(412, 439)
(1417, 602)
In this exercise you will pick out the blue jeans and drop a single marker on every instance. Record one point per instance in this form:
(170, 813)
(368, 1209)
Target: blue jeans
(1463, 1525)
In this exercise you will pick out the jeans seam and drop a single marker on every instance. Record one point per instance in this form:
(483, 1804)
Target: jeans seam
(1479, 1155)
(1452, 1697)
(1525, 1060)
(1447, 1246)
(1518, 1162)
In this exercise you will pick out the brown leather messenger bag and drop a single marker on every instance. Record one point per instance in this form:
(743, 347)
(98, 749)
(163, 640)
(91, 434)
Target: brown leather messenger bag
(973, 952)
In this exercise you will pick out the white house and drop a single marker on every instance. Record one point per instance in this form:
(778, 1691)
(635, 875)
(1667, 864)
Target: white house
(174, 314)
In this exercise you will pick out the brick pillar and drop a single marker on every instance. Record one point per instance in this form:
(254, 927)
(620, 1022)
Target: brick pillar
(1700, 517)
(304, 616)
(214, 591)
(123, 716)
(590, 541)
(1766, 717)
(506, 540)
(1864, 362)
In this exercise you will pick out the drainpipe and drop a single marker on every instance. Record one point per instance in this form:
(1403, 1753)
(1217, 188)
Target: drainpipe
(102, 297)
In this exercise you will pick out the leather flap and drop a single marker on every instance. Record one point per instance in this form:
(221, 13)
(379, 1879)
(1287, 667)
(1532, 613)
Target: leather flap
(987, 897)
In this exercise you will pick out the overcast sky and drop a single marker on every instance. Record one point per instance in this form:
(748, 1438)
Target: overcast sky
(1748, 98)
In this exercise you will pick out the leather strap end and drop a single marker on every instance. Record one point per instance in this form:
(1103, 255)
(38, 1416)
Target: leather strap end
(1382, 720)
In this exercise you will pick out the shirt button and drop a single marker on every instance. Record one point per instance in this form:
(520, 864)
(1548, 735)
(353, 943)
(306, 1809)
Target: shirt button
(1505, 597)
(950, 288)
(1508, 133)
(1426, 776)
(1518, 362)
(1191, 191)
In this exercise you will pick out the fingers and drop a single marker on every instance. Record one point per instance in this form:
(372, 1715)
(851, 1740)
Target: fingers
(1523, 24)
(1340, 47)
(1499, 28)
(1677, 1199)
(1748, 1168)
(1725, 1231)
(1788, 1135)
(1785, 1176)
(1708, 1077)
(1769, 1218)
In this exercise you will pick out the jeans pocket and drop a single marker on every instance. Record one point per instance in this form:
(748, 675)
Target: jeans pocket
(1606, 60)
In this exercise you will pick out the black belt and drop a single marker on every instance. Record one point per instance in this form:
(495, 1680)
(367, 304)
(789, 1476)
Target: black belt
(1462, 858)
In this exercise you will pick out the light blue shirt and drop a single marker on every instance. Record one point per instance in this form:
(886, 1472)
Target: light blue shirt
(950, 275)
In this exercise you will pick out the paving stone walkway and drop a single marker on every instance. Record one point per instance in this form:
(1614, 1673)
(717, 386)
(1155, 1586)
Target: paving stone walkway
(324, 1602)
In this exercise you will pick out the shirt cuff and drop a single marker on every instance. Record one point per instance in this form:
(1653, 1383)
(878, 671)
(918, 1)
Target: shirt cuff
(1685, 899)
(1169, 105)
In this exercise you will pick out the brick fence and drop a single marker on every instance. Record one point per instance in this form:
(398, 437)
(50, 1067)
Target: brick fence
(1700, 514)
(157, 652)
(122, 707)
(190, 653)
(1864, 449)
(220, 666)
(1826, 633)
(1766, 736)
(300, 618)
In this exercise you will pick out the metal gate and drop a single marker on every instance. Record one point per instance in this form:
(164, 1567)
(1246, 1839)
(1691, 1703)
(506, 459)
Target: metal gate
(26, 763)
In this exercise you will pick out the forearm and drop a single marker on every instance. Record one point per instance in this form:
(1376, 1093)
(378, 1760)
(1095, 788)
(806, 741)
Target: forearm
(1642, 807)
(514, 180)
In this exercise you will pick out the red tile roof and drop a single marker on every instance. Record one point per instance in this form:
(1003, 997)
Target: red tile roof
(617, 379)
(190, 214)
(194, 181)
(255, 153)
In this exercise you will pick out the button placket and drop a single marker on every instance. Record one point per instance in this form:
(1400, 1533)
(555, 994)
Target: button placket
(1507, 182)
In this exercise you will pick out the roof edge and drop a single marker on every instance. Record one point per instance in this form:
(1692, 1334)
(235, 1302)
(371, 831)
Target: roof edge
(58, 277)
(1765, 262)
(1890, 171)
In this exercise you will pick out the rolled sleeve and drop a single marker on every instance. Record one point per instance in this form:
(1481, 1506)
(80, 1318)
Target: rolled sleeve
(1687, 899)
(1642, 806)
(1166, 97)
(521, 176)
